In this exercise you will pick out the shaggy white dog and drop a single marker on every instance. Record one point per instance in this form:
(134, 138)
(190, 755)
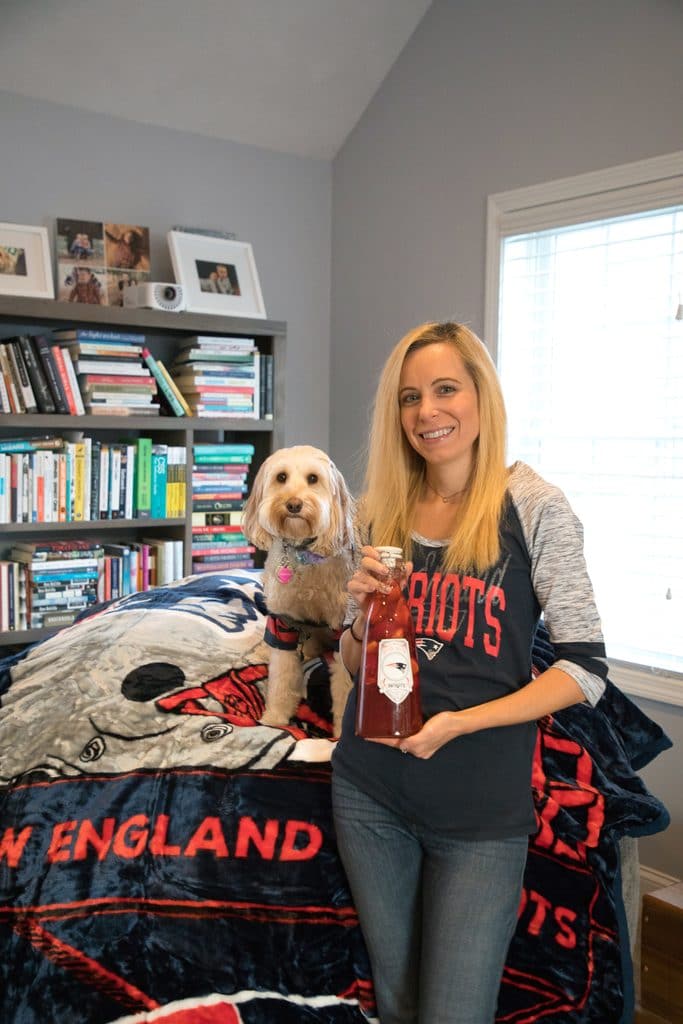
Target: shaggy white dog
(301, 512)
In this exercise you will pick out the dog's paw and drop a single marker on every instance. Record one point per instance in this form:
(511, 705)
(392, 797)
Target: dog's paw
(312, 750)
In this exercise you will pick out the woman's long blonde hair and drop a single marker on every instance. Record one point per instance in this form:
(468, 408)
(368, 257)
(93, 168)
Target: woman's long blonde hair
(396, 473)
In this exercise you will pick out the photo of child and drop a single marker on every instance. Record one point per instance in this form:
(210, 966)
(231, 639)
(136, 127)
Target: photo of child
(219, 278)
(114, 254)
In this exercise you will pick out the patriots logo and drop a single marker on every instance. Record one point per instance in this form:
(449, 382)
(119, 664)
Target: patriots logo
(430, 648)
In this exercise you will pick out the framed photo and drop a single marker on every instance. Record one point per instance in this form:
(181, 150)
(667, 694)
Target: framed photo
(218, 275)
(96, 260)
(25, 266)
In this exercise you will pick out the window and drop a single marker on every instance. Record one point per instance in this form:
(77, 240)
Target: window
(585, 280)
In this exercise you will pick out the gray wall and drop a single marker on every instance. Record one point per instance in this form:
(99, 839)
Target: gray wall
(489, 96)
(61, 162)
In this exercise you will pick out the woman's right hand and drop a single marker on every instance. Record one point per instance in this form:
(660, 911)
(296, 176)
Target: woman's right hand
(371, 576)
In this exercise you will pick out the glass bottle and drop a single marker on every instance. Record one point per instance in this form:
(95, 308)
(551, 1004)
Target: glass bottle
(389, 687)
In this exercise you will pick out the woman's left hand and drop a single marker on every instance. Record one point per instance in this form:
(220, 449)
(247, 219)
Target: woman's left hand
(434, 733)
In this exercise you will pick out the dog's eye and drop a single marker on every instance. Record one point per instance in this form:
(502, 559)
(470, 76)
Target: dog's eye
(312, 478)
(281, 478)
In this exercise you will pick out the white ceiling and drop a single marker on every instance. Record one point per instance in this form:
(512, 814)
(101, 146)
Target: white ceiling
(289, 75)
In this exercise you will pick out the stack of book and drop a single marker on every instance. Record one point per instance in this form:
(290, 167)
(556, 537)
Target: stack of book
(112, 376)
(219, 487)
(219, 377)
(61, 579)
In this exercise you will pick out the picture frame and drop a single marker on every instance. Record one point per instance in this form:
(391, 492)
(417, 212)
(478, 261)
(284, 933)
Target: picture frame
(25, 264)
(218, 275)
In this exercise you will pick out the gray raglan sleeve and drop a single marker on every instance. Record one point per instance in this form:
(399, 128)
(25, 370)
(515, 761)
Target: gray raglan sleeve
(554, 538)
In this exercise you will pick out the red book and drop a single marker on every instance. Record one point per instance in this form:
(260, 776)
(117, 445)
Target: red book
(59, 358)
(115, 378)
(228, 528)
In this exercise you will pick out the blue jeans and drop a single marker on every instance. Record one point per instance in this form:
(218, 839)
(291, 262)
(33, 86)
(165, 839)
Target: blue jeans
(437, 912)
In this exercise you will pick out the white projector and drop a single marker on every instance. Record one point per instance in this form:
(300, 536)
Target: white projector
(155, 295)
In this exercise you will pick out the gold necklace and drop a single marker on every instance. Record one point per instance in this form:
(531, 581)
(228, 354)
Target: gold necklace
(445, 497)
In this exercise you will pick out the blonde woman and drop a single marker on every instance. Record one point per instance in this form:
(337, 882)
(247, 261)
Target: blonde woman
(433, 829)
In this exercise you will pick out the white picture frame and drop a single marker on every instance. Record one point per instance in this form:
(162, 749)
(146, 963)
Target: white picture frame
(218, 275)
(25, 264)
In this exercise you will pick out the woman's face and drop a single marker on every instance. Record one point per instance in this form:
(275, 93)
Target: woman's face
(439, 405)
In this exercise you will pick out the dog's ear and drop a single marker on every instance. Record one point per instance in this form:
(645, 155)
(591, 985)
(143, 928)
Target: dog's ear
(251, 528)
(343, 510)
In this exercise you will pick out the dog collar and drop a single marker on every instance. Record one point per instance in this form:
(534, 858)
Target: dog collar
(297, 554)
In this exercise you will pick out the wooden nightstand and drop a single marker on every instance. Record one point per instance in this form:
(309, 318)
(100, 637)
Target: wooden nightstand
(661, 955)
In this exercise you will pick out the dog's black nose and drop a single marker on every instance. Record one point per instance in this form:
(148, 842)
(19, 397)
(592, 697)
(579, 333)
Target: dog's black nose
(294, 506)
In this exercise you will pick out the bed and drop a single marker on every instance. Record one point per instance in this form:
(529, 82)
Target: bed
(164, 857)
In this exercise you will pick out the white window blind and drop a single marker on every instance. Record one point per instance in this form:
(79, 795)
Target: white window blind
(591, 361)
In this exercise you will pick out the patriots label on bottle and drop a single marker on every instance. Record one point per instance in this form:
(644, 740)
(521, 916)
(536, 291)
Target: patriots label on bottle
(394, 669)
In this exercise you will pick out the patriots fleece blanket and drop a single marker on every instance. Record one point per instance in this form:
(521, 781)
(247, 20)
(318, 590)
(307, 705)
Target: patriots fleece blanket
(164, 857)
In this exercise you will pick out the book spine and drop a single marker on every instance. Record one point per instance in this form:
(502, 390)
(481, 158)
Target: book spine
(164, 387)
(143, 478)
(21, 375)
(5, 404)
(95, 334)
(37, 377)
(174, 387)
(71, 374)
(220, 505)
(59, 357)
(51, 373)
(8, 376)
(159, 480)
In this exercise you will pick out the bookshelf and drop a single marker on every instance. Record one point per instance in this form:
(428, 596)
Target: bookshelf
(162, 332)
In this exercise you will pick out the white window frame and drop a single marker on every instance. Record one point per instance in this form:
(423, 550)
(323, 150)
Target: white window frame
(630, 188)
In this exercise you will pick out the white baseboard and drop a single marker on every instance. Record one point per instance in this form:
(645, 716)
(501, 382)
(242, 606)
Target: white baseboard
(650, 879)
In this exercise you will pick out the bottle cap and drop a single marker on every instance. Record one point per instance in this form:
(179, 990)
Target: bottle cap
(390, 555)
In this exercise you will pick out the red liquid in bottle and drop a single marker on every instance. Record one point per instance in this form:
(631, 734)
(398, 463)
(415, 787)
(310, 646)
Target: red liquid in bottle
(389, 687)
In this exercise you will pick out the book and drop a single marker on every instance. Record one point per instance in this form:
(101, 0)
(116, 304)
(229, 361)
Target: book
(228, 448)
(56, 549)
(104, 349)
(105, 409)
(143, 478)
(218, 505)
(51, 373)
(202, 355)
(96, 397)
(216, 529)
(96, 333)
(5, 404)
(21, 378)
(16, 404)
(31, 444)
(123, 367)
(117, 380)
(242, 563)
(217, 518)
(176, 390)
(60, 359)
(159, 481)
(167, 387)
(218, 550)
(212, 341)
(36, 374)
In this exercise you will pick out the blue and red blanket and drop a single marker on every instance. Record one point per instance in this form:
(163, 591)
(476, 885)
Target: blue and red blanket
(165, 857)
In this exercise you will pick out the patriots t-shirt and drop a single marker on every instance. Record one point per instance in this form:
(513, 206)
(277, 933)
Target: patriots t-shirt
(474, 635)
